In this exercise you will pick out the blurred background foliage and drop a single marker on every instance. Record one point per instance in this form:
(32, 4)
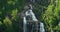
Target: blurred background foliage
(9, 20)
(46, 11)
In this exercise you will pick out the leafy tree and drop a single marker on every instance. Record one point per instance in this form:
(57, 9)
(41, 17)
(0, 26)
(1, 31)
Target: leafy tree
(14, 14)
(8, 25)
(51, 17)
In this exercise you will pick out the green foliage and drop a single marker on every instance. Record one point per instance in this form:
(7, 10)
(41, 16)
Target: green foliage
(10, 2)
(14, 13)
(9, 10)
(8, 25)
(51, 17)
(0, 23)
(57, 9)
(48, 16)
(7, 21)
